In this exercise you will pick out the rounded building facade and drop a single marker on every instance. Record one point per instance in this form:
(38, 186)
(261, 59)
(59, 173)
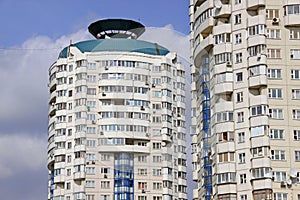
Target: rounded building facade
(116, 118)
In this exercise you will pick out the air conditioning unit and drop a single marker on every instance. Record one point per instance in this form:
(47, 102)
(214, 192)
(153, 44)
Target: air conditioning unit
(93, 121)
(106, 68)
(275, 20)
(101, 133)
(258, 56)
(153, 85)
(142, 108)
(229, 64)
(103, 94)
(93, 162)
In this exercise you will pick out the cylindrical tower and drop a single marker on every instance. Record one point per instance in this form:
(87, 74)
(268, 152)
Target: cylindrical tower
(116, 118)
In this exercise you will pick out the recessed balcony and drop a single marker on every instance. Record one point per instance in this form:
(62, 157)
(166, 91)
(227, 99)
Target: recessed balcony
(255, 4)
(257, 81)
(292, 19)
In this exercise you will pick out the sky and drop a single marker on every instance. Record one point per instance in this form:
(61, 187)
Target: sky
(32, 34)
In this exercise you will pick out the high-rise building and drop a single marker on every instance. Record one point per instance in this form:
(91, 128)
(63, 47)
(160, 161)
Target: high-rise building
(117, 118)
(246, 99)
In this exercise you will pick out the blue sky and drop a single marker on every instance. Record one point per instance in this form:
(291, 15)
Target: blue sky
(31, 35)
(23, 19)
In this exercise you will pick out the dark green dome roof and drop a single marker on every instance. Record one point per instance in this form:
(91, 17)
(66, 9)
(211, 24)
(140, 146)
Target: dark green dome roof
(117, 44)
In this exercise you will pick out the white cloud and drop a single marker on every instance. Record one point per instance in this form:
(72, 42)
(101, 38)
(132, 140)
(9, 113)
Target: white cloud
(20, 154)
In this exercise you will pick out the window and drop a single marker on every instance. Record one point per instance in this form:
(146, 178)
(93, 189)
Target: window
(68, 186)
(259, 131)
(275, 93)
(225, 136)
(226, 177)
(142, 185)
(274, 53)
(157, 186)
(274, 34)
(90, 170)
(242, 158)
(142, 198)
(256, 50)
(239, 77)
(241, 137)
(256, 30)
(292, 9)
(295, 74)
(238, 57)
(243, 178)
(222, 58)
(240, 117)
(297, 156)
(91, 91)
(105, 157)
(296, 114)
(90, 184)
(224, 117)
(91, 66)
(262, 194)
(238, 19)
(156, 145)
(238, 38)
(295, 34)
(156, 172)
(104, 197)
(296, 134)
(280, 196)
(295, 93)
(261, 172)
(295, 54)
(272, 13)
(276, 134)
(222, 38)
(279, 176)
(258, 110)
(259, 152)
(105, 184)
(274, 73)
(243, 197)
(226, 157)
(276, 113)
(142, 172)
(105, 170)
(257, 70)
(277, 155)
(238, 1)
(239, 97)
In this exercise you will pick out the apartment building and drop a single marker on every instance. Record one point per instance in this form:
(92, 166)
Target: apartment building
(245, 99)
(116, 118)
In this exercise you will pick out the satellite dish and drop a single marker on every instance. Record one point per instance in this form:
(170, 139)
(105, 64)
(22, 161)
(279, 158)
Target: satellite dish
(289, 181)
(293, 172)
(218, 4)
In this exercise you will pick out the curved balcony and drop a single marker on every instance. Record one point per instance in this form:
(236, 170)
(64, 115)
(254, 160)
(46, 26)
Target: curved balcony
(255, 20)
(256, 40)
(224, 11)
(166, 138)
(204, 46)
(225, 87)
(203, 7)
(258, 100)
(52, 85)
(259, 120)
(260, 141)
(50, 161)
(255, 4)
(205, 27)
(257, 81)
(60, 151)
(261, 162)
(79, 175)
(195, 193)
(292, 19)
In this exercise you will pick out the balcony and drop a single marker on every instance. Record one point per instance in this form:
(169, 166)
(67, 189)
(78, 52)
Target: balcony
(256, 40)
(260, 162)
(224, 11)
(225, 147)
(59, 179)
(195, 193)
(166, 138)
(124, 148)
(203, 7)
(224, 87)
(260, 141)
(256, 20)
(224, 106)
(259, 120)
(224, 127)
(79, 175)
(292, 19)
(255, 4)
(261, 184)
(257, 81)
(223, 28)
(223, 48)
(80, 148)
(257, 60)
(205, 27)
(225, 167)
(258, 100)
(205, 44)
(226, 188)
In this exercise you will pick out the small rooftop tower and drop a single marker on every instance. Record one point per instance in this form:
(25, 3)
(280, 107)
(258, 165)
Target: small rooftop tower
(116, 28)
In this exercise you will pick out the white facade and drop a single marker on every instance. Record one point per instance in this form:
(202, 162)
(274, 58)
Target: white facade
(116, 126)
(246, 54)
